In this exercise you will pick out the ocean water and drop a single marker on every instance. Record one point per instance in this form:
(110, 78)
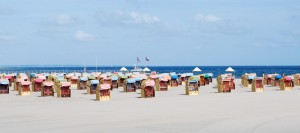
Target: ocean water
(216, 70)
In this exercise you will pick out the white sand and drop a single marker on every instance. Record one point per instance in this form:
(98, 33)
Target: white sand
(241, 111)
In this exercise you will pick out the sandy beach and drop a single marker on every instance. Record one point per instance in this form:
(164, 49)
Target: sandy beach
(172, 111)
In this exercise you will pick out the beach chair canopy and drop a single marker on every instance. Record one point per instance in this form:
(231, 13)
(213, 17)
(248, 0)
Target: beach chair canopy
(8, 76)
(189, 74)
(258, 78)
(138, 79)
(114, 78)
(104, 86)
(46, 74)
(193, 81)
(38, 80)
(150, 83)
(174, 77)
(194, 78)
(250, 77)
(226, 79)
(288, 79)
(48, 83)
(278, 77)
(123, 77)
(210, 74)
(206, 76)
(131, 80)
(61, 80)
(153, 76)
(74, 78)
(164, 79)
(4, 82)
(43, 77)
(172, 73)
(91, 77)
(83, 79)
(107, 78)
(25, 83)
(65, 84)
(19, 80)
(93, 82)
(32, 75)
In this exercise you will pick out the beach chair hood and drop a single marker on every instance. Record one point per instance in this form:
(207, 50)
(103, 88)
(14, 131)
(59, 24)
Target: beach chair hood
(94, 82)
(132, 80)
(4, 82)
(104, 86)
(83, 79)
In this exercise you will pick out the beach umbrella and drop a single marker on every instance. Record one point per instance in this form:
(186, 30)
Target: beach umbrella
(123, 69)
(197, 69)
(229, 69)
(146, 69)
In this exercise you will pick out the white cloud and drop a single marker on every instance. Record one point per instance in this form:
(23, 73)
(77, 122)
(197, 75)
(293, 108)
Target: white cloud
(83, 36)
(61, 20)
(127, 17)
(207, 18)
(136, 17)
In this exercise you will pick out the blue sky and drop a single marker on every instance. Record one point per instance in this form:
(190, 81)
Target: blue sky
(169, 32)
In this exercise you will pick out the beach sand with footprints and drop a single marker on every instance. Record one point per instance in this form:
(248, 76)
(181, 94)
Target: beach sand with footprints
(171, 111)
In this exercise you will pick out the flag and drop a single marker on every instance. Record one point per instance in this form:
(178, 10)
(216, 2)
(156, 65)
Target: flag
(137, 59)
(147, 59)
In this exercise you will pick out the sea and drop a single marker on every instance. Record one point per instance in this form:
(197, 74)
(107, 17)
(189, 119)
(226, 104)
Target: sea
(216, 70)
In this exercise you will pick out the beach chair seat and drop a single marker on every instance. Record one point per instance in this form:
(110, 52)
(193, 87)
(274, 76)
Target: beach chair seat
(201, 80)
(163, 84)
(192, 87)
(4, 86)
(114, 82)
(129, 85)
(10, 78)
(138, 82)
(24, 88)
(257, 85)
(64, 89)
(92, 86)
(121, 80)
(103, 92)
(286, 83)
(47, 88)
(225, 85)
(174, 80)
(82, 83)
(148, 89)
(37, 85)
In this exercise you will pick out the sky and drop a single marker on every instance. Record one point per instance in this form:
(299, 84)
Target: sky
(168, 32)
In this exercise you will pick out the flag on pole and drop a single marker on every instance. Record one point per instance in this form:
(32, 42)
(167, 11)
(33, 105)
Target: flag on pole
(137, 59)
(147, 59)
